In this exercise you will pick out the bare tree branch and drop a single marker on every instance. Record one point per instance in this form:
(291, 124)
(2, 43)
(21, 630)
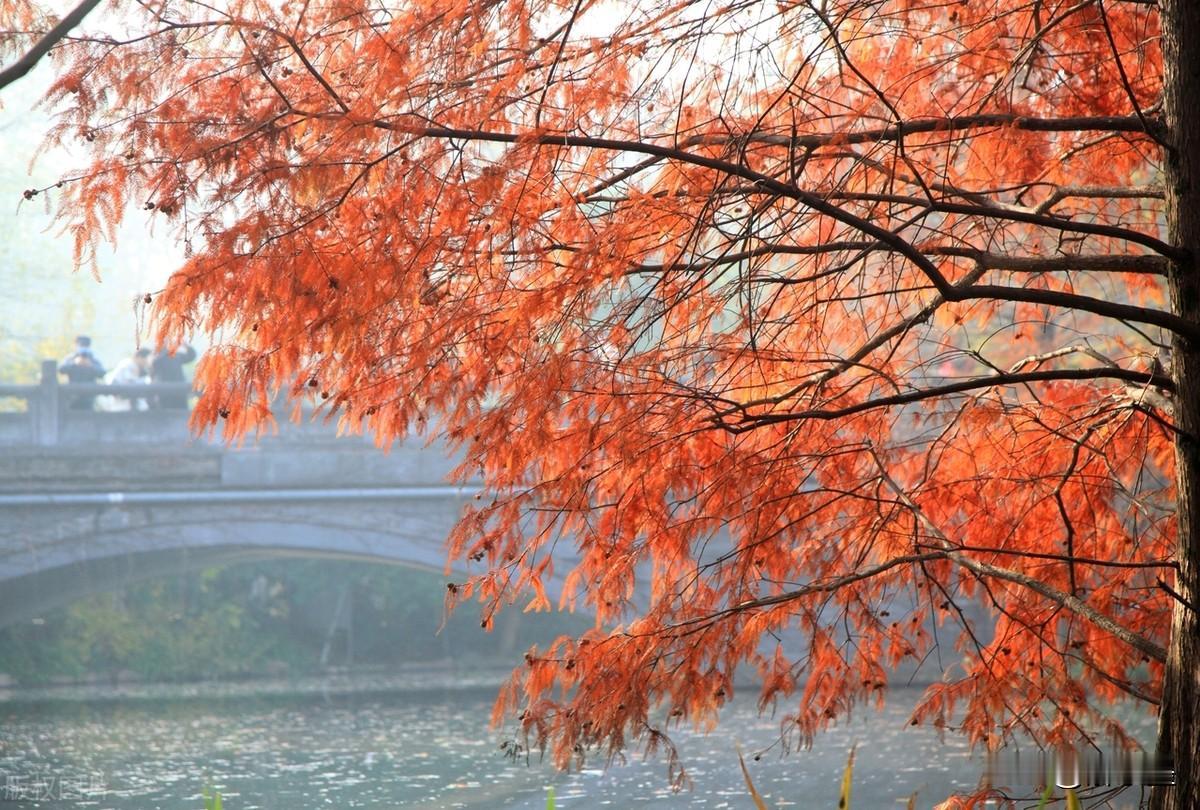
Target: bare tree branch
(1147, 264)
(957, 123)
(51, 38)
(1102, 192)
(749, 421)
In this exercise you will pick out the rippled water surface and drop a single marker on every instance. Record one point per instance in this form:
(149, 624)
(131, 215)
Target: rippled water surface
(431, 748)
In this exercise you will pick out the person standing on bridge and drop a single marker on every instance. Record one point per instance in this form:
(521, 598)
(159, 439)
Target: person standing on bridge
(133, 370)
(167, 367)
(82, 366)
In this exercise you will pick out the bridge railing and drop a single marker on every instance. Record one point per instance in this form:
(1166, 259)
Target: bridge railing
(48, 417)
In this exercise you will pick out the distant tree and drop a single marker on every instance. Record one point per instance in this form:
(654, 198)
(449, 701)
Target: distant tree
(876, 297)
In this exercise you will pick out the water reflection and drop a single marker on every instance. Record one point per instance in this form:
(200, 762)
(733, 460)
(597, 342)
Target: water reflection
(431, 748)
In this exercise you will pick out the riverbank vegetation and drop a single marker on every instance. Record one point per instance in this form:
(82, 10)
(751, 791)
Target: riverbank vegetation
(286, 617)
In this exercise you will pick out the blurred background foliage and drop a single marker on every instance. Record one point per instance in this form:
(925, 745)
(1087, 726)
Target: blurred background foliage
(46, 302)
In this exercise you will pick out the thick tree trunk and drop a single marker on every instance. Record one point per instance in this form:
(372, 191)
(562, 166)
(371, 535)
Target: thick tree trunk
(1179, 731)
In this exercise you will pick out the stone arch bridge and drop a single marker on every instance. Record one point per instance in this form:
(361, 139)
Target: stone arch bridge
(93, 501)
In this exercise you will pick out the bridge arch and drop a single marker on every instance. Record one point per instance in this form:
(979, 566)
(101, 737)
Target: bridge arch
(73, 545)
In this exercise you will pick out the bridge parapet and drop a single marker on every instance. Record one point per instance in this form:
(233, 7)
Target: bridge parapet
(50, 447)
(48, 421)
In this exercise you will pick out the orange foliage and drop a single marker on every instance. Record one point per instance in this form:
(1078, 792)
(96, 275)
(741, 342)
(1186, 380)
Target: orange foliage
(835, 317)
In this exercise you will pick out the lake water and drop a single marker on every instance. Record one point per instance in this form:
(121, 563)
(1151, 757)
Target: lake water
(431, 747)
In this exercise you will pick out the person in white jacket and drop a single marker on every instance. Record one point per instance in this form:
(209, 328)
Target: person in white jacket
(133, 370)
